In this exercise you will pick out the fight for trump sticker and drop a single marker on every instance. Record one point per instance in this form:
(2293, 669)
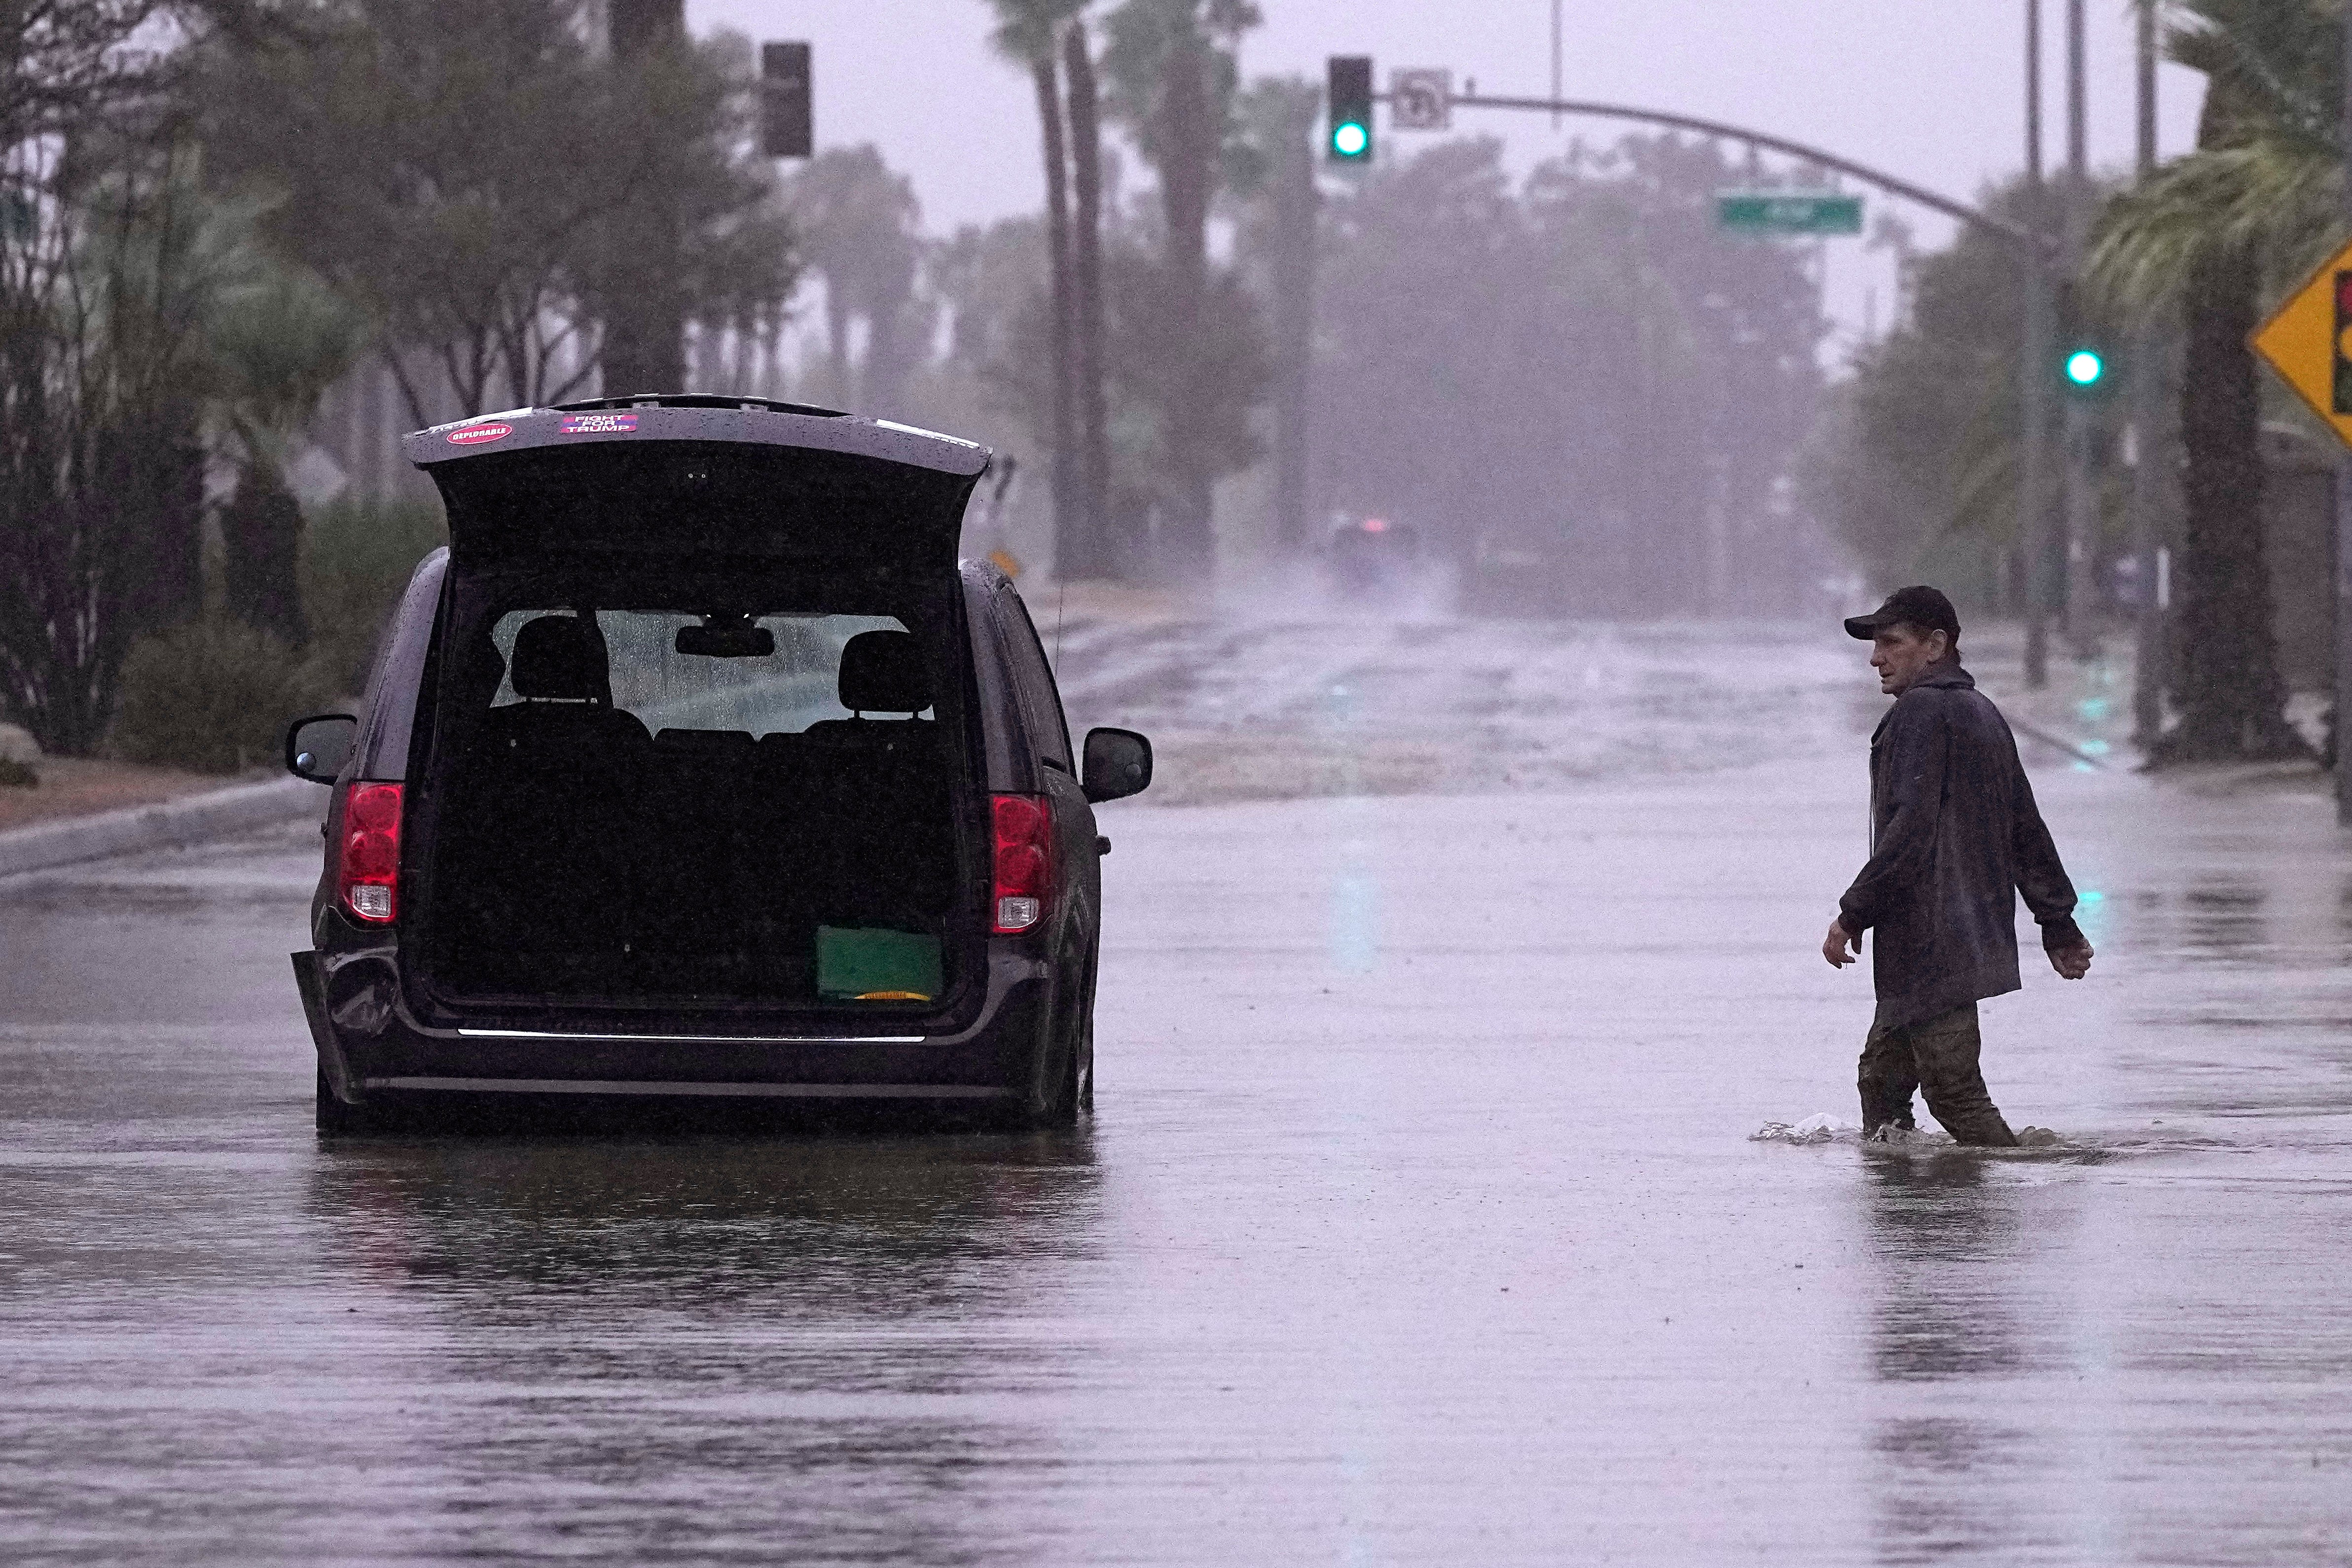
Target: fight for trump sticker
(599, 424)
(475, 435)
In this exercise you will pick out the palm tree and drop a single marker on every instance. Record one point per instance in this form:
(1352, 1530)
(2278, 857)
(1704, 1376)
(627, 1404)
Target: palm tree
(858, 222)
(1030, 34)
(2260, 192)
(1279, 115)
(1087, 553)
(1173, 75)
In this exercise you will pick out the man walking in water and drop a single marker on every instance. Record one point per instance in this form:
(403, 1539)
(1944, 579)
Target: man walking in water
(1954, 836)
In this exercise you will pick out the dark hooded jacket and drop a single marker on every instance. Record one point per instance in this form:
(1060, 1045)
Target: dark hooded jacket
(1954, 836)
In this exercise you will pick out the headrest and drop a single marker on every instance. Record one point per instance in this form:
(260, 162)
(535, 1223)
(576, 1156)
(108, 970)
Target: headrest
(561, 657)
(882, 671)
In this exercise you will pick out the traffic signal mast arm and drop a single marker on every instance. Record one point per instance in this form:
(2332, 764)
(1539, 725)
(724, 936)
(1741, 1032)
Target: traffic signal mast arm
(2040, 247)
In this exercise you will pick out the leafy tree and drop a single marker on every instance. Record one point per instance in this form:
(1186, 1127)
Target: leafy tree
(1577, 379)
(641, 304)
(1916, 466)
(702, 239)
(101, 317)
(102, 320)
(411, 149)
(476, 178)
(277, 339)
(988, 279)
(1000, 326)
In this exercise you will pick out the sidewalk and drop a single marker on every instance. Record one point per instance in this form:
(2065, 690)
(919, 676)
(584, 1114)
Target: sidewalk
(2086, 708)
(73, 787)
(155, 809)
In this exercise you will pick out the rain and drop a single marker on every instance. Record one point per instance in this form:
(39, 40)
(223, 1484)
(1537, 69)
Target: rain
(1453, 1151)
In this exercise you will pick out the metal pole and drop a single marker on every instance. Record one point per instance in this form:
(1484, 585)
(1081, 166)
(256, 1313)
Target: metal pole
(2079, 560)
(2343, 521)
(2032, 498)
(1555, 61)
(2148, 415)
(2022, 237)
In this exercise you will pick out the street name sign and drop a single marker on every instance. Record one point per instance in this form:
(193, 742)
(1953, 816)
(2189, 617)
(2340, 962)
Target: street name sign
(2309, 343)
(1420, 97)
(1788, 213)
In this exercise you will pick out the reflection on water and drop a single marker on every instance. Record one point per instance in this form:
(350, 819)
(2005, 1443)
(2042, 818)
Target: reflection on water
(604, 1345)
(887, 1226)
(1947, 1245)
(2223, 920)
(1950, 1245)
(1944, 1492)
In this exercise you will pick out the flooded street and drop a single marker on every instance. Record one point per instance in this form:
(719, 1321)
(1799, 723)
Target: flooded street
(1418, 1220)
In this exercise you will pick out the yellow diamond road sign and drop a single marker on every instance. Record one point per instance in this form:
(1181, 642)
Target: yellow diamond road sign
(2309, 343)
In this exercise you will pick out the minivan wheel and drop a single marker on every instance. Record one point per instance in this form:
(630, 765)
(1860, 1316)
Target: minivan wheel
(334, 1116)
(1053, 1097)
(1063, 1111)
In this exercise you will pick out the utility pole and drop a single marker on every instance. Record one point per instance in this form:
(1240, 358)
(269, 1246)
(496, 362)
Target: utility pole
(2032, 489)
(644, 347)
(2147, 415)
(2343, 525)
(2079, 560)
(1555, 61)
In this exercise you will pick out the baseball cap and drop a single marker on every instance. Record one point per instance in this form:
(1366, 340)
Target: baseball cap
(1922, 607)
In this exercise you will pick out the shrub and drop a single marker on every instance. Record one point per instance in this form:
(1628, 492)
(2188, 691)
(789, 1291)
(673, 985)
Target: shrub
(357, 557)
(213, 696)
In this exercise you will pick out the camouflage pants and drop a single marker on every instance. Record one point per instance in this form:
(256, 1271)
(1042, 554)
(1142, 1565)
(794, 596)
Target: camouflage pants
(1937, 1056)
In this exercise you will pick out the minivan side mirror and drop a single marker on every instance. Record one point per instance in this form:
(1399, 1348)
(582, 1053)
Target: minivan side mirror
(318, 746)
(1118, 764)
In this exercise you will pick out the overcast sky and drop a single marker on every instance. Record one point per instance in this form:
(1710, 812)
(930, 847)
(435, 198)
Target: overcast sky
(1931, 91)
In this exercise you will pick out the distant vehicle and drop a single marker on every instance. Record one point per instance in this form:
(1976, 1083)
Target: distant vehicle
(1373, 558)
(696, 767)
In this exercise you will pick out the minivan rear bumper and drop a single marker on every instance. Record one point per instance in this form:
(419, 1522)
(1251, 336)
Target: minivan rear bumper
(368, 1049)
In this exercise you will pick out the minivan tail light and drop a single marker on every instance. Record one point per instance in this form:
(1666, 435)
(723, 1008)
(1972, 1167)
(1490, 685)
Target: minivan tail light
(367, 869)
(1024, 860)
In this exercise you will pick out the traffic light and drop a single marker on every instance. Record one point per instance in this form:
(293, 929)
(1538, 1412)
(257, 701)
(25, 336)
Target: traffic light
(2084, 368)
(787, 120)
(1350, 92)
(2085, 371)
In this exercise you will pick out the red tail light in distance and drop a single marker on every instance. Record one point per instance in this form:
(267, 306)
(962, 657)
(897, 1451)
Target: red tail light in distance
(1024, 860)
(367, 870)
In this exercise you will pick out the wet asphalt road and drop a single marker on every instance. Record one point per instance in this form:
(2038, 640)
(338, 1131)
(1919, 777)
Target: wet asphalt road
(1418, 1222)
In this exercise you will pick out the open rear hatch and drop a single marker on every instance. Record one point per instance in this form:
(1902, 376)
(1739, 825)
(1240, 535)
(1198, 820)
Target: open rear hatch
(699, 478)
(701, 735)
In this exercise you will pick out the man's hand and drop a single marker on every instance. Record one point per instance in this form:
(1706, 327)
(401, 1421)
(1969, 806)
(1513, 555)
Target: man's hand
(2072, 963)
(1836, 944)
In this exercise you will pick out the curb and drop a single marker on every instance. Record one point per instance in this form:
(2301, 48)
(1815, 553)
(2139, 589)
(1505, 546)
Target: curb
(171, 824)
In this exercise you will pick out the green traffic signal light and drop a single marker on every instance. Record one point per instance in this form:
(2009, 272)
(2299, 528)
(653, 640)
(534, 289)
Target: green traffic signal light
(1348, 96)
(2084, 369)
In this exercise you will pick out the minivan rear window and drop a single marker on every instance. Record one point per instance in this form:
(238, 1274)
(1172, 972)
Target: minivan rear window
(782, 693)
(685, 791)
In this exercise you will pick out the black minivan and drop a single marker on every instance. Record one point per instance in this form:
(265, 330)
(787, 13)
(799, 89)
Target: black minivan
(699, 765)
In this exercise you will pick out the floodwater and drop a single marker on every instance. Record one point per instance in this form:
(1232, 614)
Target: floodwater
(1419, 1221)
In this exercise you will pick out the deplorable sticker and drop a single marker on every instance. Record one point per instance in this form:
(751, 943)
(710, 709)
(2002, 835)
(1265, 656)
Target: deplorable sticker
(475, 435)
(599, 424)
